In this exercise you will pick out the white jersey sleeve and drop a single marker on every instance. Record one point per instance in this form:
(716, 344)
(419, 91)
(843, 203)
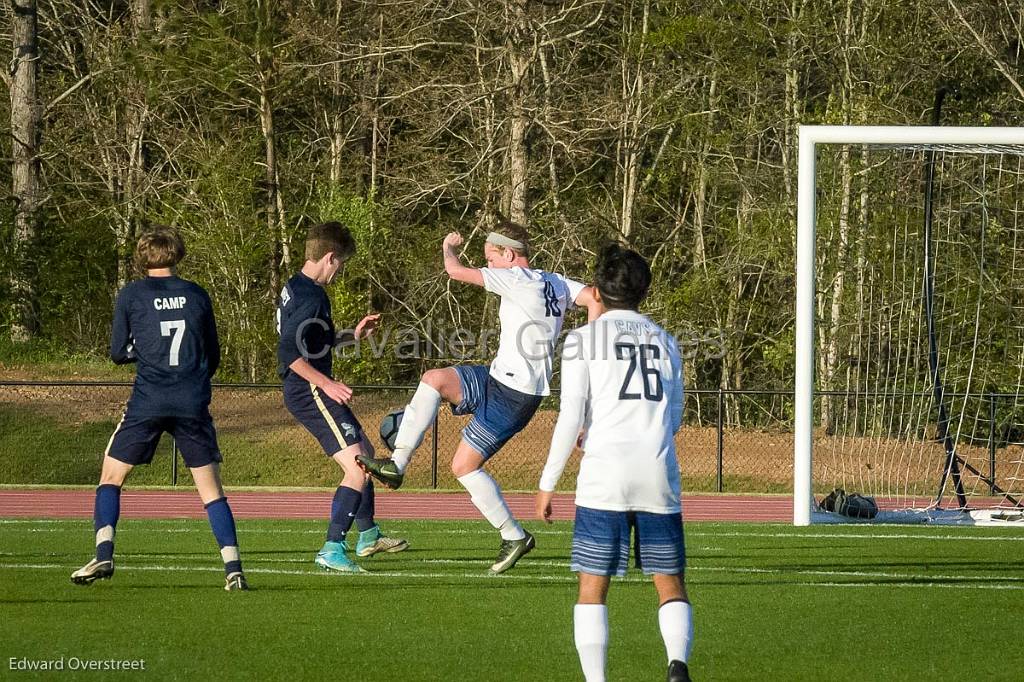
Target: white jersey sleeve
(676, 399)
(572, 412)
(500, 281)
(573, 287)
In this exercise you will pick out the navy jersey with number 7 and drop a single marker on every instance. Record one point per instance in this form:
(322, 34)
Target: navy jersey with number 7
(166, 325)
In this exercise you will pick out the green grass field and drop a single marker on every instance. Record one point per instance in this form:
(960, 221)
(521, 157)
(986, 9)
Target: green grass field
(770, 602)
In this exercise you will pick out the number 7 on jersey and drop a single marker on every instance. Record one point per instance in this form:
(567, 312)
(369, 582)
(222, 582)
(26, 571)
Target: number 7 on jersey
(176, 330)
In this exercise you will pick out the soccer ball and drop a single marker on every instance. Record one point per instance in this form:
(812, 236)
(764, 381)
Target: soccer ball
(389, 428)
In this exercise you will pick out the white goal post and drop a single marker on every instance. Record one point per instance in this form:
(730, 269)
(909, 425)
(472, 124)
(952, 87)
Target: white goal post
(811, 138)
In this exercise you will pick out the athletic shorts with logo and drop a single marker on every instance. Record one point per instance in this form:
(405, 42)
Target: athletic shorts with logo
(499, 412)
(332, 423)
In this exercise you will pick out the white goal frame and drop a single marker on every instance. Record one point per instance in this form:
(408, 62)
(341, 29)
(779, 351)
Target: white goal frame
(810, 137)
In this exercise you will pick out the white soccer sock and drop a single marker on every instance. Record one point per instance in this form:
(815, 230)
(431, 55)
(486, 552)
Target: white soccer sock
(486, 495)
(419, 415)
(590, 624)
(675, 618)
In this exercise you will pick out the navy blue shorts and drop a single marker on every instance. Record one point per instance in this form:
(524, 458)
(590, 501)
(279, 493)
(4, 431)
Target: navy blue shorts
(135, 439)
(331, 423)
(600, 542)
(499, 412)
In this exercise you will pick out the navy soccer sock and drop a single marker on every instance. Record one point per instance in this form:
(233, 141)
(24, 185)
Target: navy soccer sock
(364, 515)
(223, 524)
(343, 511)
(105, 515)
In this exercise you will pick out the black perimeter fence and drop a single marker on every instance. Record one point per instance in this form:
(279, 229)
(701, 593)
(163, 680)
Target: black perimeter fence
(56, 433)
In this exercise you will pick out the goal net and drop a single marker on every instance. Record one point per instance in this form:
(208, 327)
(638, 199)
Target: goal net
(910, 323)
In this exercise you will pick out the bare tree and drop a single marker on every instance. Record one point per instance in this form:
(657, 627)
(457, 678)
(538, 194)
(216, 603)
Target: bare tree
(26, 133)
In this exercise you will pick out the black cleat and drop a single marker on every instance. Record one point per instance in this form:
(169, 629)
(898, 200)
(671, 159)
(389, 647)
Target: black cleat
(678, 672)
(512, 551)
(236, 581)
(384, 470)
(93, 571)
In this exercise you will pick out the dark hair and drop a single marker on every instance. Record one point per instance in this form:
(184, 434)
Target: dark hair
(622, 277)
(159, 247)
(329, 237)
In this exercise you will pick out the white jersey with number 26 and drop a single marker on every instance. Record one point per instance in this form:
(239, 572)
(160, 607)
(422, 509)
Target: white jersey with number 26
(622, 383)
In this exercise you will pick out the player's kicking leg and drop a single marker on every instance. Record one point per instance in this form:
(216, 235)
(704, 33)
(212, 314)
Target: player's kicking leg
(435, 385)
(106, 511)
(486, 496)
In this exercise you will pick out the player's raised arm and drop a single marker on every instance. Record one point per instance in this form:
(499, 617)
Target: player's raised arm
(453, 264)
(571, 416)
(121, 351)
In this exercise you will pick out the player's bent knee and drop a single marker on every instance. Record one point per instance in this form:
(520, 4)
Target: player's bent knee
(463, 464)
(346, 459)
(446, 382)
(114, 471)
(460, 469)
(434, 378)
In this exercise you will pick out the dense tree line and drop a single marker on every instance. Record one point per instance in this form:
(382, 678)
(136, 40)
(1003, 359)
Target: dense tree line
(670, 125)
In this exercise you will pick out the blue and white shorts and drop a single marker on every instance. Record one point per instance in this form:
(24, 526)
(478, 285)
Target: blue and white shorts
(600, 542)
(499, 412)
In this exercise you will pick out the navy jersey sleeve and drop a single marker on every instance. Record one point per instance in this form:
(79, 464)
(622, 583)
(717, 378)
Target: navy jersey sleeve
(296, 317)
(211, 343)
(121, 347)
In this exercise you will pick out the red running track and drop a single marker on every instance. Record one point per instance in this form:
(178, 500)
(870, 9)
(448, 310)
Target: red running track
(77, 504)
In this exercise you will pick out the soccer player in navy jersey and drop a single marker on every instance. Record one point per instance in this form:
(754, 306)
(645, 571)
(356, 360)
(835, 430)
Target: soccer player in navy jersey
(320, 403)
(165, 325)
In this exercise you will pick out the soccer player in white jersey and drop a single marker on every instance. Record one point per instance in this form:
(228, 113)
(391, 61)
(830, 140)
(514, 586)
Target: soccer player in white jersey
(622, 386)
(503, 397)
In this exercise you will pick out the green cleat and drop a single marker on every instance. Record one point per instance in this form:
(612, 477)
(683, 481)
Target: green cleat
(333, 558)
(236, 582)
(372, 541)
(93, 571)
(384, 470)
(512, 551)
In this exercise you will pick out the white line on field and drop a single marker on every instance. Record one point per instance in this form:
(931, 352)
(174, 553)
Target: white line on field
(904, 580)
(29, 523)
(28, 527)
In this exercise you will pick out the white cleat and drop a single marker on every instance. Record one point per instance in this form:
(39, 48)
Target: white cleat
(93, 571)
